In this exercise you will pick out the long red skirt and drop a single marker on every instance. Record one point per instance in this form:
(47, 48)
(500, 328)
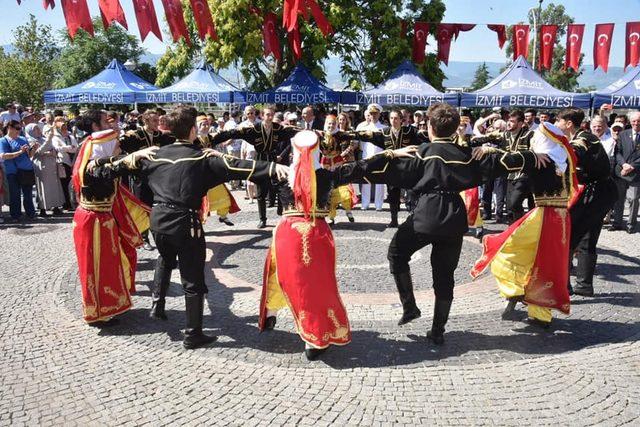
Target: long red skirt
(305, 272)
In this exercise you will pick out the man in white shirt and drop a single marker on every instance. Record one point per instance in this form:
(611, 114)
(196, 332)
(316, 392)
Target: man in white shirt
(10, 114)
(368, 150)
(530, 119)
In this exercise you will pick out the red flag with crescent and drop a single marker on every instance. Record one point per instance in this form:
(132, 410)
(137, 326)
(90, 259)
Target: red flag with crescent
(444, 34)
(547, 43)
(147, 19)
(111, 11)
(602, 46)
(175, 18)
(204, 20)
(420, 31)
(575, 32)
(501, 31)
(271, 41)
(292, 8)
(520, 41)
(632, 46)
(47, 3)
(463, 27)
(76, 14)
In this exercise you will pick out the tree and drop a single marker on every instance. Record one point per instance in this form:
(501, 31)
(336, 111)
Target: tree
(366, 38)
(85, 56)
(557, 76)
(481, 78)
(29, 69)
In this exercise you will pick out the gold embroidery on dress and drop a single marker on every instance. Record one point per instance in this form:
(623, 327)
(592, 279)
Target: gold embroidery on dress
(341, 332)
(304, 228)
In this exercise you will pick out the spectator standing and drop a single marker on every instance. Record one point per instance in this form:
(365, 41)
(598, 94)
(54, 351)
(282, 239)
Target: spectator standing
(45, 165)
(16, 153)
(66, 146)
(11, 113)
(627, 168)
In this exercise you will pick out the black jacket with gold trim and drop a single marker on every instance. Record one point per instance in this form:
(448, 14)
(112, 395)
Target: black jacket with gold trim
(179, 175)
(266, 143)
(140, 138)
(439, 172)
(593, 162)
(508, 141)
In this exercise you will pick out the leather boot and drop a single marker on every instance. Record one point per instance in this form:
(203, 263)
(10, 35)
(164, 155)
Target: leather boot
(585, 270)
(394, 216)
(262, 212)
(410, 310)
(193, 336)
(440, 317)
(161, 280)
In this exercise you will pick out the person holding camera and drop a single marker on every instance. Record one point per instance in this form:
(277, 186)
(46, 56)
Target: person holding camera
(16, 152)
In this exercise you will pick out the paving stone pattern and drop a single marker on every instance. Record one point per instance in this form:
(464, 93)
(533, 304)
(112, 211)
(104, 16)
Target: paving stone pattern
(55, 370)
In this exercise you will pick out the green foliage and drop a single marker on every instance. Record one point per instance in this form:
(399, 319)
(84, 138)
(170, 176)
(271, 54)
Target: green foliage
(558, 77)
(29, 69)
(366, 39)
(481, 78)
(84, 56)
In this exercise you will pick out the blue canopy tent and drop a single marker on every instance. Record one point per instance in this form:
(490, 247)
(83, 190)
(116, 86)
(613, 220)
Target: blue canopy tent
(114, 85)
(299, 88)
(520, 86)
(406, 86)
(624, 93)
(202, 85)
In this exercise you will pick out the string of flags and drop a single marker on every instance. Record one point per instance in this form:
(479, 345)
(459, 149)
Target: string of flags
(77, 16)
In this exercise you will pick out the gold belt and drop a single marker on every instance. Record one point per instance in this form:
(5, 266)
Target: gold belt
(317, 214)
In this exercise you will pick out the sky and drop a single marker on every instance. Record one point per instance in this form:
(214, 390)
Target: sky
(479, 44)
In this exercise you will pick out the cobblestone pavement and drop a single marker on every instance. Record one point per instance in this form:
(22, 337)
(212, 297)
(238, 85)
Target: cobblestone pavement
(54, 369)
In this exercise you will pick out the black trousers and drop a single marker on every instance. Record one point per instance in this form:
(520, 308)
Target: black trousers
(190, 254)
(445, 255)
(393, 198)
(587, 217)
(518, 190)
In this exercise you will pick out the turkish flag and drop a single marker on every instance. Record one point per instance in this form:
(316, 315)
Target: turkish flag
(501, 30)
(295, 43)
(602, 46)
(76, 13)
(574, 46)
(47, 3)
(111, 11)
(420, 31)
(463, 27)
(632, 46)
(444, 33)
(203, 18)
(520, 41)
(321, 20)
(271, 41)
(547, 42)
(290, 14)
(147, 19)
(175, 19)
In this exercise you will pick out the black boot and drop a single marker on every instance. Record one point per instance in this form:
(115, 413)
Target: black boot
(410, 310)
(193, 336)
(440, 317)
(314, 353)
(262, 212)
(585, 270)
(161, 280)
(394, 217)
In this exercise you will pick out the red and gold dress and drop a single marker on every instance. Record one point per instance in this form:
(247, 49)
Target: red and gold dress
(530, 259)
(300, 268)
(107, 230)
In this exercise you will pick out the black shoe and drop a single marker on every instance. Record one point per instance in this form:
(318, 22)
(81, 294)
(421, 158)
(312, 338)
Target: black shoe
(509, 312)
(583, 291)
(225, 221)
(617, 227)
(157, 310)
(631, 229)
(147, 246)
(270, 323)
(393, 224)
(43, 214)
(105, 323)
(350, 217)
(479, 233)
(271, 205)
(313, 353)
(437, 339)
(538, 323)
(262, 224)
(193, 336)
(409, 316)
(57, 212)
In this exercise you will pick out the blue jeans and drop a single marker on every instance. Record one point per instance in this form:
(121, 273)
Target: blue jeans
(15, 192)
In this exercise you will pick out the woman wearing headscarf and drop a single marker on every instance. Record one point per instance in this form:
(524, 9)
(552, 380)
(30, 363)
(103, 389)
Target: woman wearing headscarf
(66, 146)
(45, 166)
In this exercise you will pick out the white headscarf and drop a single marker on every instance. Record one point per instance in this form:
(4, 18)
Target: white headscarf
(543, 142)
(303, 138)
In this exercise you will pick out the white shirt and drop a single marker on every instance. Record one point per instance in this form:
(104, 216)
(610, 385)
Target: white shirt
(64, 147)
(533, 126)
(368, 148)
